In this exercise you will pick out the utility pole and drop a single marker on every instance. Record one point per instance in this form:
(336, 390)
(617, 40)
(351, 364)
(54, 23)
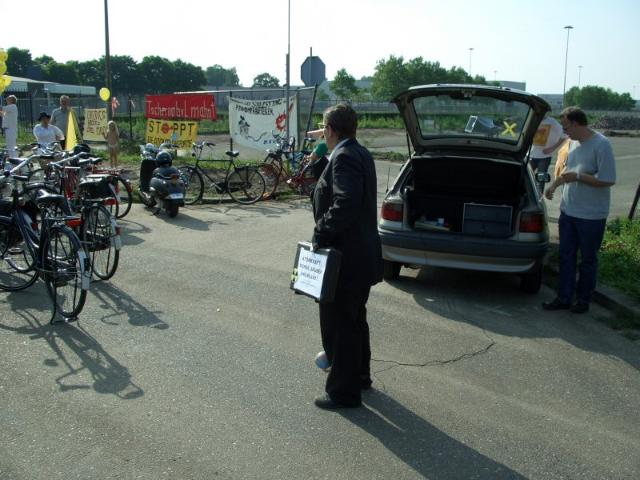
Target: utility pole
(107, 57)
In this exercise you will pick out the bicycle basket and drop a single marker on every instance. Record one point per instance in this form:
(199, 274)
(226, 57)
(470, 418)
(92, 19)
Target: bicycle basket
(97, 186)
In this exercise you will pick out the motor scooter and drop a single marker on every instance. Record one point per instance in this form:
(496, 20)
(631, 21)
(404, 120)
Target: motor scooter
(160, 182)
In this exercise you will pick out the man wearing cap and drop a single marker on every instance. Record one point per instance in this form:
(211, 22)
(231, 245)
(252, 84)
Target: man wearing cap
(46, 133)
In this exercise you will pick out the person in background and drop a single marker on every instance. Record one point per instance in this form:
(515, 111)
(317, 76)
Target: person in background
(112, 136)
(586, 195)
(318, 157)
(345, 212)
(46, 133)
(547, 139)
(60, 116)
(10, 124)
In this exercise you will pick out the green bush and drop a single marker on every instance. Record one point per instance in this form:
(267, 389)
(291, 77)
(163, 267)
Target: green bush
(619, 258)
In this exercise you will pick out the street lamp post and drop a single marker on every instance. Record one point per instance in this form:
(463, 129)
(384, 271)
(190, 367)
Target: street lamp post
(470, 52)
(566, 57)
(579, 74)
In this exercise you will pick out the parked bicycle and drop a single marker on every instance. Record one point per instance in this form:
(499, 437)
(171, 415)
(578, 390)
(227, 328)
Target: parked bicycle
(284, 166)
(90, 197)
(244, 184)
(50, 250)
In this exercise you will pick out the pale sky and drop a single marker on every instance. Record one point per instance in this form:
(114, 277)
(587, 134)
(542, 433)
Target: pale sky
(512, 40)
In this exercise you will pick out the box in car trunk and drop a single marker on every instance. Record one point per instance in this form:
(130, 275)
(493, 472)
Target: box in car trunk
(487, 220)
(475, 196)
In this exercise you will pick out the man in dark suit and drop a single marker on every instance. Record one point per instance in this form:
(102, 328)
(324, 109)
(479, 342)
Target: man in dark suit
(345, 211)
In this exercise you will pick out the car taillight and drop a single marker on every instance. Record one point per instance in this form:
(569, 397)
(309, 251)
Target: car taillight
(531, 222)
(392, 211)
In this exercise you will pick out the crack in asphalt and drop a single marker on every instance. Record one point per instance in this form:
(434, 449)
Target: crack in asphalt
(430, 363)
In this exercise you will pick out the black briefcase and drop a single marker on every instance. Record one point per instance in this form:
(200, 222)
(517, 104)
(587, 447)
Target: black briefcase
(315, 274)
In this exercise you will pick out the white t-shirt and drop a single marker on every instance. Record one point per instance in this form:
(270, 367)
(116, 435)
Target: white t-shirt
(10, 116)
(49, 134)
(547, 135)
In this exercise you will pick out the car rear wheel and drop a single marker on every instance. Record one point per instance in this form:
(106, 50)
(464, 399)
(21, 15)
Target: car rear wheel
(391, 270)
(532, 281)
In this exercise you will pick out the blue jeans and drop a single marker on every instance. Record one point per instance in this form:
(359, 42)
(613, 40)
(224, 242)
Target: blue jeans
(585, 236)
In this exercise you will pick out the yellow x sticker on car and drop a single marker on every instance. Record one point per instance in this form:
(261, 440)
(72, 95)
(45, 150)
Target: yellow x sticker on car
(508, 129)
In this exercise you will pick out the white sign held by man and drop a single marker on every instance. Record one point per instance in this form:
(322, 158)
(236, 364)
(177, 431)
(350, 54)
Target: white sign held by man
(315, 273)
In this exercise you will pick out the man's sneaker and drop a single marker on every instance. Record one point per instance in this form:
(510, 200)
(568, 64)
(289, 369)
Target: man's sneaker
(579, 307)
(556, 304)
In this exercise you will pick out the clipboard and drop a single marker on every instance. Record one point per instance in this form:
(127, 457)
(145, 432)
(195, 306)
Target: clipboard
(315, 274)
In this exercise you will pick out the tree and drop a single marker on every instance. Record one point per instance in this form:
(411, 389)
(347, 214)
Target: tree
(265, 80)
(598, 98)
(219, 76)
(91, 73)
(390, 78)
(18, 62)
(157, 75)
(125, 74)
(61, 73)
(344, 85)
(189, 77)
(43, 60)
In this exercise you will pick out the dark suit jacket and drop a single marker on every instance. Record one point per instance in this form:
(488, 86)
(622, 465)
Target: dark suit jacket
(345, 211)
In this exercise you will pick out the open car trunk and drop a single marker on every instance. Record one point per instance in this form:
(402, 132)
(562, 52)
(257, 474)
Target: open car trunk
(474, 196)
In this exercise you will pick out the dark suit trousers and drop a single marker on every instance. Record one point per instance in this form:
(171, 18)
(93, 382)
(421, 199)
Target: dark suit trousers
(345, 338)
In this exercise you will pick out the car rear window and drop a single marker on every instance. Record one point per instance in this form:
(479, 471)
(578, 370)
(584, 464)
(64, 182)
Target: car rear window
(463, 114)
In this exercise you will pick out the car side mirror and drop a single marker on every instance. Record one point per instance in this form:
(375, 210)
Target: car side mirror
(543, 177)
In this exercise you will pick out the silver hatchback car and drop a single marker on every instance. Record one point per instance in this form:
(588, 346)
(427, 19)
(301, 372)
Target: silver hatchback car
(466, 197)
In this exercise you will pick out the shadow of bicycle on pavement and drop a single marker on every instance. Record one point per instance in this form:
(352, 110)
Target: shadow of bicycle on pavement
(87, 365)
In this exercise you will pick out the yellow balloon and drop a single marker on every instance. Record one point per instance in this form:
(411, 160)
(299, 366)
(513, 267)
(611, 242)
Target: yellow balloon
(3, 67)
(7, 80)
(3, 55)
(104, 94)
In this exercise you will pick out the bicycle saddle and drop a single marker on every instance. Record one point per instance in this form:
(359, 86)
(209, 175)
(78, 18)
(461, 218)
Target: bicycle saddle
(232, 153)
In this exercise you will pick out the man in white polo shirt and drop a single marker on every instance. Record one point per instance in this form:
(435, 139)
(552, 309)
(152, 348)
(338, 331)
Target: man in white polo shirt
(46, 133)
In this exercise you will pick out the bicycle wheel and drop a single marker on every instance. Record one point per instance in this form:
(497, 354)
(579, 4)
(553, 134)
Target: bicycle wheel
(63, 270)
(193, 183)
(245, 185)
(17, 265)
(101, 241)
(271, 172)
(124, 196)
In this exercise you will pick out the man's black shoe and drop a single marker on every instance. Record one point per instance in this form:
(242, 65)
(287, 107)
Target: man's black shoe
(579, 307)
(556, 304)
(365, 383)
(325, 402)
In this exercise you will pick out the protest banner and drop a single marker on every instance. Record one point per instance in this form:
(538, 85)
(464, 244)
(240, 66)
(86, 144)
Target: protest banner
(251, 122)
(95, 124)
(181, 107)
(177, 132)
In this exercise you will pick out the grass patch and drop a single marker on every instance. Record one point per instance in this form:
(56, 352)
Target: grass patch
(619, 258)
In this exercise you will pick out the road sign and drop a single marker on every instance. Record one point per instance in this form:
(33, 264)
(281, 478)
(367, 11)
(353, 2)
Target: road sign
(312, 71)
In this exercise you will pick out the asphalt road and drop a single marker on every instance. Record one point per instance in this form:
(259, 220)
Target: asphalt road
(196, 362)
